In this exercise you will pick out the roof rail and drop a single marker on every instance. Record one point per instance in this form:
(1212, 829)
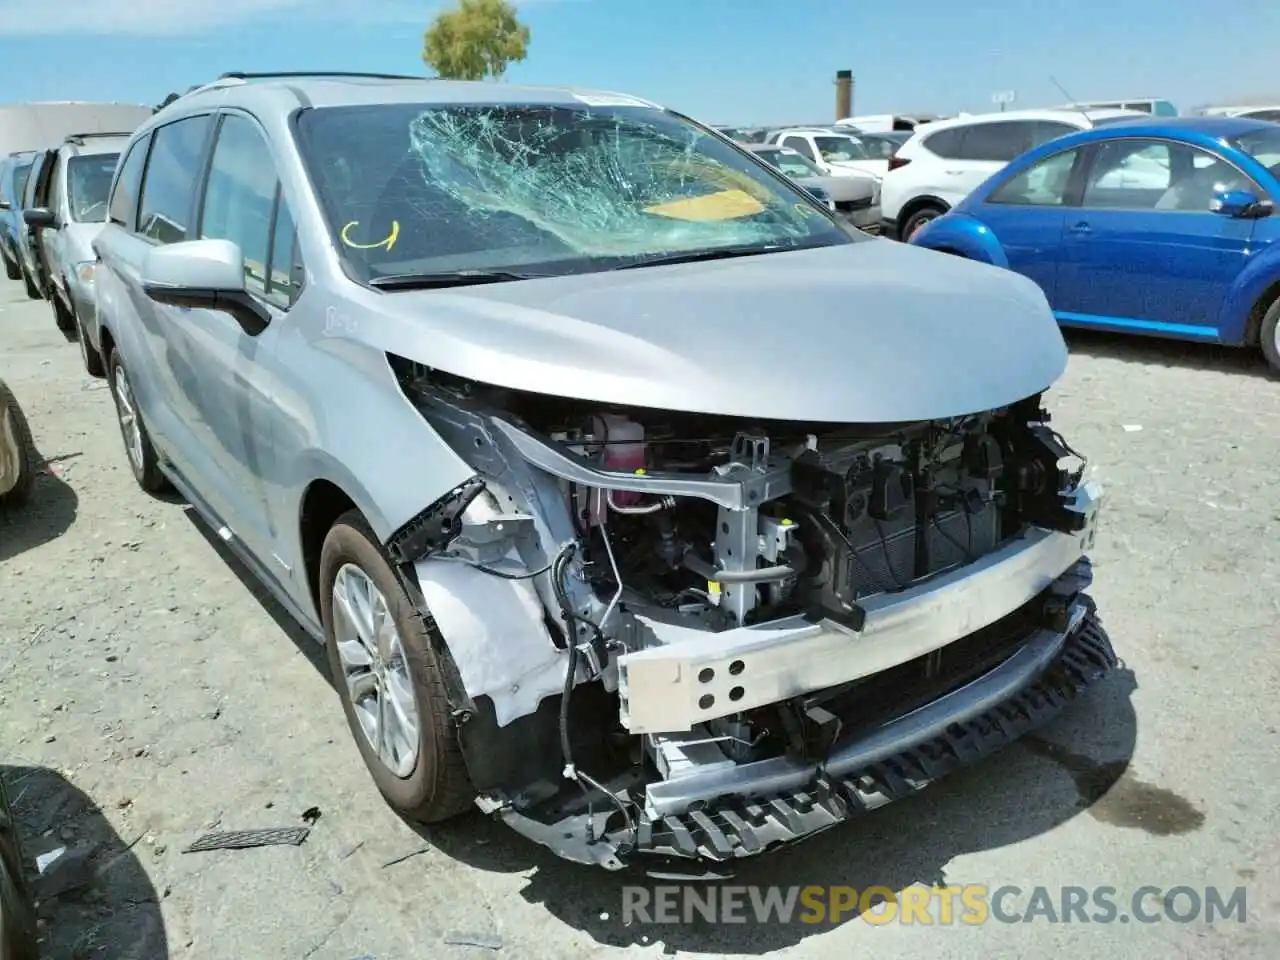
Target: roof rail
(287, 74)
(82, 137)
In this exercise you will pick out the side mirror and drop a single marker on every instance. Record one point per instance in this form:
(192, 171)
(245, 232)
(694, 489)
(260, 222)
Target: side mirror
(1241, 204)
(207, 274)
(40, 217)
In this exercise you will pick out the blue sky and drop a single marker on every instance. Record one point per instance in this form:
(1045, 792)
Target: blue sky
(723, 61)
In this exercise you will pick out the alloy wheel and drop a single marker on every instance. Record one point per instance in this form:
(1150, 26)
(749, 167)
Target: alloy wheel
(127, 409)
(375, 669)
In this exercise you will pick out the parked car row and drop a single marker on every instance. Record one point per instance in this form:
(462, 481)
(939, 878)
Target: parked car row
(1164, 227)
(489, 391)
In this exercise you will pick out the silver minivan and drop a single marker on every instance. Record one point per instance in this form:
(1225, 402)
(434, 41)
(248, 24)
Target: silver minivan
(634, 499)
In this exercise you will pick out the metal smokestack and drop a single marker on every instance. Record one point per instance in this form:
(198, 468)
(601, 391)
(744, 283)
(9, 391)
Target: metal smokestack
(844, 94)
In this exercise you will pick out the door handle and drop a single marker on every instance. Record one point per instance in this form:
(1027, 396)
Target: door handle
(1082, 228)
(954, 173)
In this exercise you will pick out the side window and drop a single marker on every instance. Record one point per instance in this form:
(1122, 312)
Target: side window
(1043, 184)
(1142, 106)
(243, 204)
(124, 194)
(999, 141)
(947, 144)
(1047, 130)
(169, 186)
(240, 195)
(798, 144)
(284, 267)
(1129, 175)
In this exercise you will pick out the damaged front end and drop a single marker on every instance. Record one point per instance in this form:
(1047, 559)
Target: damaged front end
(692, 636)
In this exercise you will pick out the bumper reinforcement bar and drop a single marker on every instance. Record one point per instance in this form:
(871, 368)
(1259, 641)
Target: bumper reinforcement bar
(734, 827)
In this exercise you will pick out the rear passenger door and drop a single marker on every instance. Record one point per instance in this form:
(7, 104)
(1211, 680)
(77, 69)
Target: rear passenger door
(237, 374)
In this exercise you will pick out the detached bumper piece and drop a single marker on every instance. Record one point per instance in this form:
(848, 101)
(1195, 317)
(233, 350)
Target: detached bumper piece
(735, 827)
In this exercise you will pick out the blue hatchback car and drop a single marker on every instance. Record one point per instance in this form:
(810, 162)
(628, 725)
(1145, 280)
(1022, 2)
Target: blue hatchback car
(1163, 227)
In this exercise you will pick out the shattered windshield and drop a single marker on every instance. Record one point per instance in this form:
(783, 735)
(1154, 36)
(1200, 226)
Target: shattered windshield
(414, 188)
(88, 183)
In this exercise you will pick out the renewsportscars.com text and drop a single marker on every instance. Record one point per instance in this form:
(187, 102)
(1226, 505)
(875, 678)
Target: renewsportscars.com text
(969, 905)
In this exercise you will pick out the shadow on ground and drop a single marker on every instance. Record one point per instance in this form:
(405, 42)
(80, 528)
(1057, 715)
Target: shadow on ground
(45, 517)
(306, 645)
(1078, 764)
(1132, 348)
(96, 901)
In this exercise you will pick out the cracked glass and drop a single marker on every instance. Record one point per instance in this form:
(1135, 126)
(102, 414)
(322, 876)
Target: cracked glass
(556, 188)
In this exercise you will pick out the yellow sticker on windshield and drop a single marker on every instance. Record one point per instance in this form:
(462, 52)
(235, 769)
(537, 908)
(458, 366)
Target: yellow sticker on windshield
(725, 205)
(388, 241)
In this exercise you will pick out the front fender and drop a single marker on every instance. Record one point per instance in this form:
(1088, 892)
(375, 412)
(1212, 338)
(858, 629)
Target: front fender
(1262, 271)
(961, 233)
(366, 437)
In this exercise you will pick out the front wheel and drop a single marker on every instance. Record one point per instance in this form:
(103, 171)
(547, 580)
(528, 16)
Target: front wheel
(11, 269)
(19, 459)
(918, 220)
(62, 316)
(1269, 337)
(386, 668)
(143, 461)
(89, 354)
(32, 290)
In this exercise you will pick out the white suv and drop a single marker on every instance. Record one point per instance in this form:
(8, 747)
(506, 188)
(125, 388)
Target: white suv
(944, 161)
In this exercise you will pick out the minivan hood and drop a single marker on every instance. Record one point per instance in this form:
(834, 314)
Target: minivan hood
(873, 331)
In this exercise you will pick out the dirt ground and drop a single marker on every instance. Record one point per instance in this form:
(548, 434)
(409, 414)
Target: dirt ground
(149, 693)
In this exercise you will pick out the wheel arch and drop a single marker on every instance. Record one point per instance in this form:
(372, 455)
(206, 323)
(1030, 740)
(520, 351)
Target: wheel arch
(1250, 296)
(915, 205)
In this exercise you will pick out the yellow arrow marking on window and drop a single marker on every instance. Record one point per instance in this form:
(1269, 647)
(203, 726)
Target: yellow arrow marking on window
(388, 242)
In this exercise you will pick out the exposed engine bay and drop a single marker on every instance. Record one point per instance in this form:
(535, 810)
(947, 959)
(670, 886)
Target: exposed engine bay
(715, 597)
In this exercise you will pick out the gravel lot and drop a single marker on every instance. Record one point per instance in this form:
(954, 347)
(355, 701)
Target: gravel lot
(150, 692)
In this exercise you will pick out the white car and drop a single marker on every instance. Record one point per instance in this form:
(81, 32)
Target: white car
(1257, 111)
(945, 161)
(836, 154)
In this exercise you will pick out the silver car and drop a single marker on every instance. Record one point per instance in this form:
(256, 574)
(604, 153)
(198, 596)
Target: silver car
(70, 210)
(635, 499)
(855, 198)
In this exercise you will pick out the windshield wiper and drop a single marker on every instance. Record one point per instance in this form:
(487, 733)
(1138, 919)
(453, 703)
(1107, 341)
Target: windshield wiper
(451, 278)
(717, 253)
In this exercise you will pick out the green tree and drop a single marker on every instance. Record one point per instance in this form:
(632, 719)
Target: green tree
(477, 39)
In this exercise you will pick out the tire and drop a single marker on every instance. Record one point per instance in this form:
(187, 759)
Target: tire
(919, 218)
(139, 451)
(1269, 337)
(32, 290)
(89, 355)
(15, 435)
(11, 268)
(432, 785)
(18, 937)
(63, 317)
